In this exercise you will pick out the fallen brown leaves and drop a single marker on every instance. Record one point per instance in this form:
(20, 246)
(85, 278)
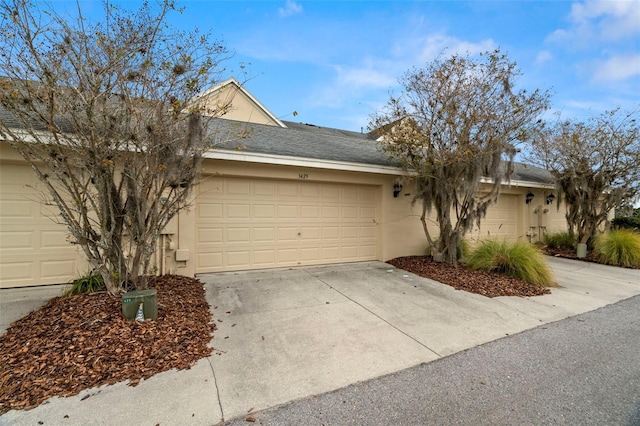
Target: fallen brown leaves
(490, 284)
(76, 343)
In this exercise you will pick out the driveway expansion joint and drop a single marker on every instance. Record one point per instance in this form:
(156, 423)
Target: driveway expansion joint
(215, 382)
(374, 314)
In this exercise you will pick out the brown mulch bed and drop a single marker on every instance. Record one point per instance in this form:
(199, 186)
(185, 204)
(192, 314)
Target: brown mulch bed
(80, 342)
(490, 284)
(568, 254)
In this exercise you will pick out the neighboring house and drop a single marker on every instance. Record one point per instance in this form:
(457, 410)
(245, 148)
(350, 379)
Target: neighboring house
(285, 194)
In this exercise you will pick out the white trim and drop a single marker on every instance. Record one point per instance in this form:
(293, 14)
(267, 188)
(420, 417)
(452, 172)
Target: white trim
(286, 160)
(247, 94)
(522, 183)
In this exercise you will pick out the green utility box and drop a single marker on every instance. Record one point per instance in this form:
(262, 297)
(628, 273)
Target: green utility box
(131, 301)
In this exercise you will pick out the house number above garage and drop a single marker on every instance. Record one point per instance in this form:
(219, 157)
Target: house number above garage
(303, 176)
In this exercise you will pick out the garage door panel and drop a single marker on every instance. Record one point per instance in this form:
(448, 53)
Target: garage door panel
(310, 191)
(350, 212)
(238, 211)
(211, 186)
(330, 193)
(238, 235)
(54, 239)
(309, 212)
(368, 251)
(57, 269)
(349, 253)
(287, 190)
(368, 213)
(213, 260)
(264, 189)
(309, 254)
(330, 232)
(210, 210)
(17, 240)
(17, 271)
(288, 233)
(367, 194)
(368, 231)
(209, 235)
(269, 223)
(238, 187)
(330, 212)
(331, 254)
(264, 257)
(287, 212)
(310, 233)
(350, 193)
(17, 209)
(264, 234)
(287, 256)
(349, 232)
(264, 211)
(240, 258)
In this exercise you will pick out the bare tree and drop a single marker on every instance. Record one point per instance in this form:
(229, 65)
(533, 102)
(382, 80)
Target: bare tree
(101, 111)
(596, 165)
(456, 122)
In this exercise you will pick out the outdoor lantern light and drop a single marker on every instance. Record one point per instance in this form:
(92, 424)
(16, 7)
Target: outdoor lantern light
(397, 187)
(550, 198)
(529, 197)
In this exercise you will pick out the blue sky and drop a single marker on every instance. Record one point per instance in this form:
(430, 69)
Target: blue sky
(335, 62)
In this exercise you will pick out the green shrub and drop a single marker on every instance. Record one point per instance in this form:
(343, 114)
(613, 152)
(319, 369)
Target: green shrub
(517, 259)
(560, 240)
(618, 247)
(89, 283)
(463, 249)
(626, 222)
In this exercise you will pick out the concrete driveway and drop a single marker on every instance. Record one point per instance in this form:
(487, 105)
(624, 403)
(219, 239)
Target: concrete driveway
(291, 333)
(287, 334)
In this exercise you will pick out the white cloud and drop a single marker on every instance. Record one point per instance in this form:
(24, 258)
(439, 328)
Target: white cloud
(598, 21)
(290, 8)
(436, 44)
(374, 76)
(611, 20)
(367, 77)
(351, 82)
(618, 68)
(543, 57)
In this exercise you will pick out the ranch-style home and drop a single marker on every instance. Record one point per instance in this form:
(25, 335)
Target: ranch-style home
(286, 194)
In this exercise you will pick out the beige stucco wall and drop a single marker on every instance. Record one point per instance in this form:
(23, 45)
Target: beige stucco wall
(237, 106)
(401, 231)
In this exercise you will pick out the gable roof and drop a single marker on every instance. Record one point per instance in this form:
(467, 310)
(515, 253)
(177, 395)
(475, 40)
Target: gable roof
(238, 103)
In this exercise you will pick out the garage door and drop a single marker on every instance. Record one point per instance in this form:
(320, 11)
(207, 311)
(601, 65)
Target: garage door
(33, 248)
(252, 224)
(501, 220)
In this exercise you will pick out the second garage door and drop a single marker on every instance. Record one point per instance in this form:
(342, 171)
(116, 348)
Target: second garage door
(501, 221)
(251, 224)
(33, 244)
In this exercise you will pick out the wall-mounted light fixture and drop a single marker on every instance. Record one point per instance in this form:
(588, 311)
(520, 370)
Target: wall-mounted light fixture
(529, 198)
(397, 187)
(550, 198)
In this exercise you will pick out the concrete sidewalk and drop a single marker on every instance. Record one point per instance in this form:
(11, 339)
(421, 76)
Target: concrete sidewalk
(288, 334)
